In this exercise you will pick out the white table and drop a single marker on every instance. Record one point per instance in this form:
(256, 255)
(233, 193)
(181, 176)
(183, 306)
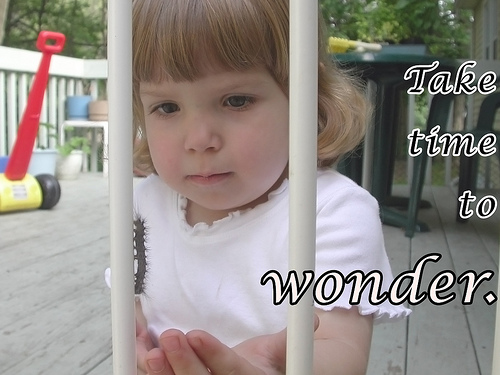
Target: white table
(94, 125)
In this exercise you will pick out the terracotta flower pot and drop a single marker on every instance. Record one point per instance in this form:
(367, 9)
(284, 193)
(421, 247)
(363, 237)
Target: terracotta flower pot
(98, 110)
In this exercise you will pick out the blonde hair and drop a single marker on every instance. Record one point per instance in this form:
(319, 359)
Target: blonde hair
(174, 39)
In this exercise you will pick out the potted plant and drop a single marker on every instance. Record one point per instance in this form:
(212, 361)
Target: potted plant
(98, 110)
(43, 159)
(77, 107)
(71, 154)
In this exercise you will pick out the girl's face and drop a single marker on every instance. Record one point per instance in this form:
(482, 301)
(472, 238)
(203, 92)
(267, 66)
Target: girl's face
(220, 141)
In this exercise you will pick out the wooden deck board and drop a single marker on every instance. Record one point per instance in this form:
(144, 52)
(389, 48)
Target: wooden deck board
(56, 307)
(388, 353)
(57, 315)
(438, 334)
(471, 248)
(488, 230)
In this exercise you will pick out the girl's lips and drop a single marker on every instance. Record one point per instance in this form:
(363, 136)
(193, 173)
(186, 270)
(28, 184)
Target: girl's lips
(210, 179)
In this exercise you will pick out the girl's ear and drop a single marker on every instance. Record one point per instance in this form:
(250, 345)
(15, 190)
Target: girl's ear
(321, 66)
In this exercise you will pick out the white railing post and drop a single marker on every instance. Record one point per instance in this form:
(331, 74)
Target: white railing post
(3, 118)
(303, 176)
(120, 185)
(11, 110)
(43, 133)
(52, 108)
(94, 89)
(70, 89)
(23, 83)
(61, 100)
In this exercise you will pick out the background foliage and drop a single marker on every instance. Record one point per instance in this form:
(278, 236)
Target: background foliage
(436, 23)
(82, 21)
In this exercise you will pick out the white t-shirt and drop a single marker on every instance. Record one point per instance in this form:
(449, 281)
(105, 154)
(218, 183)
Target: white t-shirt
(209, 277)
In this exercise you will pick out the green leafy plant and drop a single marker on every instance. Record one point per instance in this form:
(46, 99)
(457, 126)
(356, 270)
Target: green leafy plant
(74, 143)
(51, 133)
(71, 142)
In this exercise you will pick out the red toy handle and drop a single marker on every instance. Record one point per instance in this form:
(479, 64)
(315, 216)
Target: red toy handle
(45, 36)
(20, 157)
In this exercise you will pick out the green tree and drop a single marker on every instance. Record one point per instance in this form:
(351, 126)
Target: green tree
(436, 23)
(83, 23)
(4, 5)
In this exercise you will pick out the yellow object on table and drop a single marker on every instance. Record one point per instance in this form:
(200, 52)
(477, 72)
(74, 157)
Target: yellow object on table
(340, 45)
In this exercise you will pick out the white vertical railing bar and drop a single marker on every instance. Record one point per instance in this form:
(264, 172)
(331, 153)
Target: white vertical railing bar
(61, 97)
(23, 84)
(3, 125)
(71, 87)
(79, 88)
(11, 109)
(303, 175)
(94, 89)
(120, 186)
(42, 131)
(52, 108)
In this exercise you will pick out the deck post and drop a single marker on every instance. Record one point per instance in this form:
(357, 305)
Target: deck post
(303, 175)
(120, 185)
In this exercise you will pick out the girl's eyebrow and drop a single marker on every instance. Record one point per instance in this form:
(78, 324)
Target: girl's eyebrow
(246, 80)
(227, 83)
(150, 91)
(250, 83)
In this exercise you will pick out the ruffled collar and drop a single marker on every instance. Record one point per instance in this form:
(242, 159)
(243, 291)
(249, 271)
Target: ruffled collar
(274, 197)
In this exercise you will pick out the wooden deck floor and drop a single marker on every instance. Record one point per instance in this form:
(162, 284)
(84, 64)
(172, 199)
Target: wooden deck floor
(56, 312)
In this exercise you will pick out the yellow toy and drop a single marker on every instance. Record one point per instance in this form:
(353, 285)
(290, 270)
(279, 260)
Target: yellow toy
(18, 189)
(340, 45)
(23, 194)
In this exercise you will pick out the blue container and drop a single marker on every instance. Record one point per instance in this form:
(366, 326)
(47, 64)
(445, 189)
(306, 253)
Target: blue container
(3, 163)
(77, 107)
(43, 162)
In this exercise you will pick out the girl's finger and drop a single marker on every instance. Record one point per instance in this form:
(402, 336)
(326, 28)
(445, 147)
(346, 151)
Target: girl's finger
(156, 363)
(180, 356)
(219, 358)
(143, 345)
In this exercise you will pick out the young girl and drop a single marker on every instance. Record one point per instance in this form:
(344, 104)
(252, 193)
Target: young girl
(211, 107)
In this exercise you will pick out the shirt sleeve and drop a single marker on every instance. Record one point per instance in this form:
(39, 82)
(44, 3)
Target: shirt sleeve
(350, 239)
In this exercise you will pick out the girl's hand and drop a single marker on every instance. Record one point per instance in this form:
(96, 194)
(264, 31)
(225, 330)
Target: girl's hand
(143, 345)
(263, 355)
(149, 358)
(199, 353)
(342, 346)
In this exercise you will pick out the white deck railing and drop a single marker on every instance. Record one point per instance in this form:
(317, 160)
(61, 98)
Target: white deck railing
(67, 76)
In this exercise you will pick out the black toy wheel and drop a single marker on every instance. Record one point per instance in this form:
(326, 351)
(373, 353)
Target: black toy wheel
(51, 190)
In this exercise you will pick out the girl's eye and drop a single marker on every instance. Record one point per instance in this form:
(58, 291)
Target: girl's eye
(166, 108)
(238, 101)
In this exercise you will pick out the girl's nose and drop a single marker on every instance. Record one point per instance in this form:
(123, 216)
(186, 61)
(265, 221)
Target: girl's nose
(201, 136)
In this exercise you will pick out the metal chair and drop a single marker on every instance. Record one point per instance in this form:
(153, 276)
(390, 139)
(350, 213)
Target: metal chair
(469, 165)
(438, 114)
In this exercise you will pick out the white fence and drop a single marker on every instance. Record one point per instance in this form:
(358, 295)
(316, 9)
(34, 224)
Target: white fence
(67, 76)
